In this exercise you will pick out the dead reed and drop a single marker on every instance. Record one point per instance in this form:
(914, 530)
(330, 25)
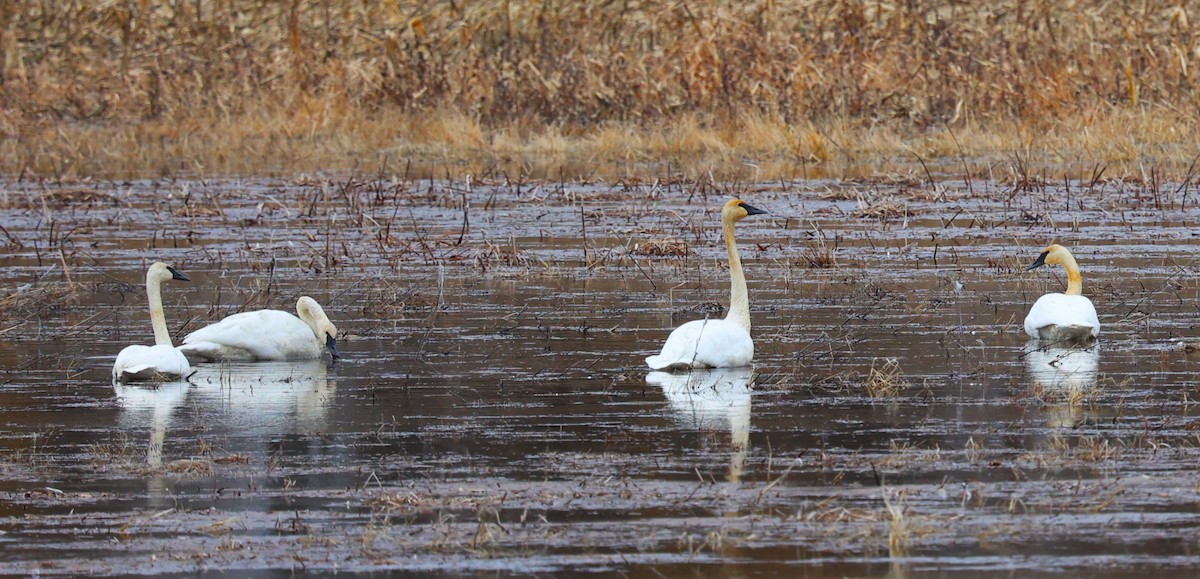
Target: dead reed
(116, 88)
(885, 380)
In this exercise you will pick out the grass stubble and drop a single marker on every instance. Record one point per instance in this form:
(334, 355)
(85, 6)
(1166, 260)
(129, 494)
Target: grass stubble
(759, 90)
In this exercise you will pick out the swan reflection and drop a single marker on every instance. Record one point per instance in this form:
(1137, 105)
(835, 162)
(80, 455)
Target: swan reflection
(1062, 367)
(712, 400)
(1066, 374)
(266, 398)
(153, 407)
(254, 401)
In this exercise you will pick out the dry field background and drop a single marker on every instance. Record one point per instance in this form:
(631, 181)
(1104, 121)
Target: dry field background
(577, 89)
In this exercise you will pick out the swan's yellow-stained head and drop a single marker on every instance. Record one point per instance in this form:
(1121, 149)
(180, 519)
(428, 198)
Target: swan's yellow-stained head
(1054, 254)
(160, 272)
(313, 315)
(736, 209)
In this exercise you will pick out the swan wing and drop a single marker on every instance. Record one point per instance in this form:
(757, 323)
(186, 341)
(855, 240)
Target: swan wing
(259, 335)
(145, 363)
(1059, 315)
(705, 344)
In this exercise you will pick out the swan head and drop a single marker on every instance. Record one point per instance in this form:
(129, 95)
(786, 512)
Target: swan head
(313, 315)
(160, 272)
(736, 210)
(1054, 254)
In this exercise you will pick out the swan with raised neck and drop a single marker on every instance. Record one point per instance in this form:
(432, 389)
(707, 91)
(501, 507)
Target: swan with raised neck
(1062, 317)
(716, 343)
(161, 361)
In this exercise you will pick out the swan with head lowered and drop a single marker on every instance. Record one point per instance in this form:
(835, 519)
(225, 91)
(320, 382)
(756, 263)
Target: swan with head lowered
(160, 362)
(716, 343)
(265, 335)
(1067, 316)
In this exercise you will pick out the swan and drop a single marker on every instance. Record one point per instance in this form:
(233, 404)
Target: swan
(716, 343)
(265, 335)
(1065, 317)
(160, 362)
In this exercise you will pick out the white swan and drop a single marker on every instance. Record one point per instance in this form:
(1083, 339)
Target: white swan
(265, 335)
(160, 362)
(712, 400)
(716, 343)
(1065, 317)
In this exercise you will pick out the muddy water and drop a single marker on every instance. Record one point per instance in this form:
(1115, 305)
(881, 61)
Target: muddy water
(492, 412)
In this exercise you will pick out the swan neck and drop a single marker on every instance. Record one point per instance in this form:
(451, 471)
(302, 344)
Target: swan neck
(739, 301)
(159, 321)
(1074, 279)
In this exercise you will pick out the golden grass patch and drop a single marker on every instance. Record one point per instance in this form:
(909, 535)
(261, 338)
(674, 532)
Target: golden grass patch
(736, 89)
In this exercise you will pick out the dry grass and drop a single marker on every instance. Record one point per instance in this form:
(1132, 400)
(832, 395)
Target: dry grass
(32, 301)
(885, 381)
(671, 247)
(762, 88)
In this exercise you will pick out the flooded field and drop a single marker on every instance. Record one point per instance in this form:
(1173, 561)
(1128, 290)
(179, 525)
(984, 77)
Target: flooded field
(492, 413)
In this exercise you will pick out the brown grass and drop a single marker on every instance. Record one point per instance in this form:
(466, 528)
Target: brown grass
(760, 88)
(670, 246)
(885, 380)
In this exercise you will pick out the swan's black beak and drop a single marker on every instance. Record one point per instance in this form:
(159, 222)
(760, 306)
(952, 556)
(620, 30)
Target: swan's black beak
(752, 210)
(1041, 260)
(176, 275)
(332, 345)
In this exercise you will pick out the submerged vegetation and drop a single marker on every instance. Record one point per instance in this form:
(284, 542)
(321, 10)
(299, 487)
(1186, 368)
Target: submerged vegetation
(575, 89)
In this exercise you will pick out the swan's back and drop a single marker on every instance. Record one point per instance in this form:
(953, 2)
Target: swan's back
(150, 363)
(705, 344)
(1059, 317)
(249, 336)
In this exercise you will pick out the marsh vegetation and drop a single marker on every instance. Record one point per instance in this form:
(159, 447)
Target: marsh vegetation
(491, 410)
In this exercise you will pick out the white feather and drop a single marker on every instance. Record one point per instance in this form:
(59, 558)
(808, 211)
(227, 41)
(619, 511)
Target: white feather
(705, 344)
(160, 362)
(716, 343)
(263, 335)
(1061, 317)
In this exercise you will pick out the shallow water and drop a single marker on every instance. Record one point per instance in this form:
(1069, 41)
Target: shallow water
(492, 412)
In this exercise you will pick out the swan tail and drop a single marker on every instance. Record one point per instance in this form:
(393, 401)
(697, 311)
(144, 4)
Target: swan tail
(198, 352)
(1082, 333)
(143, 373)
(664, 363)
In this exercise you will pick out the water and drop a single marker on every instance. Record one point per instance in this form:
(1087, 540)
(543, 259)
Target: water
(492, 412)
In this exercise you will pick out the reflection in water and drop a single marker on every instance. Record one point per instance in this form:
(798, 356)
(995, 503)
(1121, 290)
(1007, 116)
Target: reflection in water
(150, 406)
(260, 400)
(265, 398)
(1064, 374)
(715, 399)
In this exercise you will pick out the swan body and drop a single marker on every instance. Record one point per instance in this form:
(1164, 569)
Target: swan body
(705, 344)
(722, 343)
(160, 362)
(265, 335)
(1062, 317)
